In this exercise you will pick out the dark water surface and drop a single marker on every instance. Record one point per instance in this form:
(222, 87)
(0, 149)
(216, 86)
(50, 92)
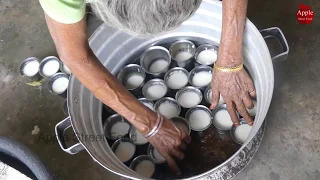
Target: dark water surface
(206, 151)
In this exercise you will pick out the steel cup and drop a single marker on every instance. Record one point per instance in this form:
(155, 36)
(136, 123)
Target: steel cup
(214, 111)
(153, 82)
(64, 68)
(139, 159)
(152, 155)
(170, 100)
(196, 70)
(133, 136)
(183, 46)
(233, 129)
(196, 108)
(152, 55)
(173, 71)
(122, 140)
(128, 71)
(46, 60)
(182, 123)
(147, 103)
(203, 48)
(188, 89)
(110, 122)
(208, 95)
(35, 76)
(54, 78)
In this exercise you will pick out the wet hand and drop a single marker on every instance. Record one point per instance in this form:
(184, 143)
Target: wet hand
(169, 142)
(236, 88)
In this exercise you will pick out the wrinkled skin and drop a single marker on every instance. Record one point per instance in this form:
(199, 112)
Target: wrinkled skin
(236, 88)
(169, 142)
(73, 48)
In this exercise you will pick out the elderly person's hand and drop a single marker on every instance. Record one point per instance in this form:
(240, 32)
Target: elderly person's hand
(169, 142)
(236, 88)
(229, 78)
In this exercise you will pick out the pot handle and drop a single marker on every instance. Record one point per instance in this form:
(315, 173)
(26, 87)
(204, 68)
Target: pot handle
(275, 32)
(60, 129)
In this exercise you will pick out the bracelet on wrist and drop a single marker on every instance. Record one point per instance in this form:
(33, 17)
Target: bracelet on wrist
(156, 127)
(228, 69)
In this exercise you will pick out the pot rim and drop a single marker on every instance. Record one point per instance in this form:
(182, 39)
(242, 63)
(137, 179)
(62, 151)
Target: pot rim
(257, 126)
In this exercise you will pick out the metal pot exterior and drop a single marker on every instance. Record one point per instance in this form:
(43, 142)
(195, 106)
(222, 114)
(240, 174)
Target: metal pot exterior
(115, 49)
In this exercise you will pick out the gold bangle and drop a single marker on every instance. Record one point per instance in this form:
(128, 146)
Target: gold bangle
(228, 69)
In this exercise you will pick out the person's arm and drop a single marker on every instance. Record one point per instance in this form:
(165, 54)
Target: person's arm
(73, 48)
(235, 87)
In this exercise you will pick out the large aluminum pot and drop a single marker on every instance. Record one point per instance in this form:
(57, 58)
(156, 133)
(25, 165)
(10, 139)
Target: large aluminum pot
(116, 49)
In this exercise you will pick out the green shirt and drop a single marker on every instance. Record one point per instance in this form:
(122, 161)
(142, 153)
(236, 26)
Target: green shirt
(64, 11)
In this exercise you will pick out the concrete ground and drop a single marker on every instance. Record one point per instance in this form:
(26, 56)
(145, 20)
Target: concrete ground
(290, 148)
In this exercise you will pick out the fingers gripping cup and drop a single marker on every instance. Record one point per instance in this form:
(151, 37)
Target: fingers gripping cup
(154, 89)
(221, 118)
(199, 118)
(132, 76)
(253, 111)
(208, 96)
(156, 61)
(189, 97)
(182, 52)
(206, 54)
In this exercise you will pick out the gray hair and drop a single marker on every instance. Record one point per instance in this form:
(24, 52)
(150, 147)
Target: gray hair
(144, 17)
